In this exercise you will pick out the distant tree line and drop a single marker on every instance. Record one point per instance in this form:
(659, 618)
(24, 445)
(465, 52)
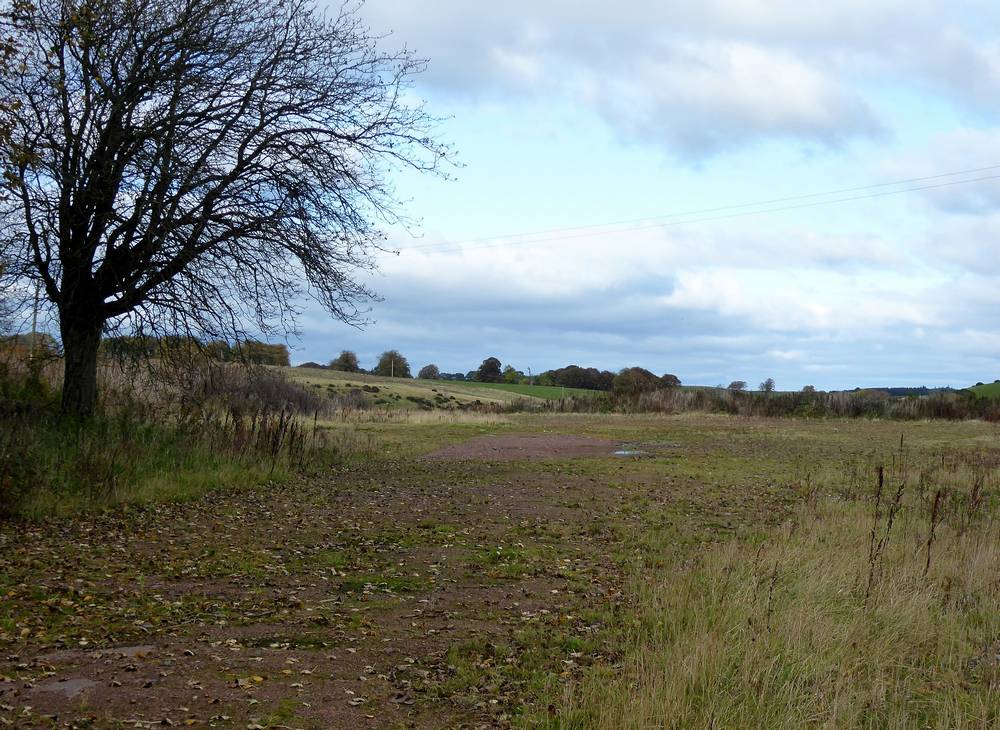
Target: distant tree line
(247, 351)
(806, 403)
(920, 391)
(392, 363)
(629, 382)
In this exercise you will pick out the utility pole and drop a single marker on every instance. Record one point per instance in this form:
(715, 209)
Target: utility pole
(34, 329)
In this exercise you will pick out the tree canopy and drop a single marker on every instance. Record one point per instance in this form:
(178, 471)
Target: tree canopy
(489, 371)
(429, 372)
(574, 376)
(346, 361)
(391, 364)
(634, 381)
(669, 380)
(512, 375)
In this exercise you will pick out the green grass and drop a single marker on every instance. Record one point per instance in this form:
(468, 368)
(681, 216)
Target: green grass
(987, 390)
(405, 394)
(547, 392)
(415, 394)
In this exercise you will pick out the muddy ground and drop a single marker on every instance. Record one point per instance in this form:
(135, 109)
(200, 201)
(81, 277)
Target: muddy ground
(465, 589)
(512, 447)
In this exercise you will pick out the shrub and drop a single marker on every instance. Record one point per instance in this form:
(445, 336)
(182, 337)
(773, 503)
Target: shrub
(160, 433)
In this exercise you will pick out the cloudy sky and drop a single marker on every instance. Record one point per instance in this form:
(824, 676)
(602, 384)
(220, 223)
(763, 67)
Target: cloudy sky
(729, 189)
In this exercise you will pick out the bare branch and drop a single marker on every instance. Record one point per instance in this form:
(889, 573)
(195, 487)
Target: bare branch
(203, 162)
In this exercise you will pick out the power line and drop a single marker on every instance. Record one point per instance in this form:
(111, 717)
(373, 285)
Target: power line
(546, 232)
(737, 215)
(639, 224)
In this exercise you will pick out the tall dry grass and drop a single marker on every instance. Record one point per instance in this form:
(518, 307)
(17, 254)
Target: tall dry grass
(160, 433)
(837, 620)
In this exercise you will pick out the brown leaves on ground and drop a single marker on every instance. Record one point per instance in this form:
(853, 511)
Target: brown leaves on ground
(401, 593)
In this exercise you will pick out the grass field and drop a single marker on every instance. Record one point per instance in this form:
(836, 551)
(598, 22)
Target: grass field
(548, 392)
(987, 390)
(414, 394)
(738, 573)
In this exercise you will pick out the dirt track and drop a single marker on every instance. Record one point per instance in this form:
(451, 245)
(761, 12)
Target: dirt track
(330, 604)
(533, 446)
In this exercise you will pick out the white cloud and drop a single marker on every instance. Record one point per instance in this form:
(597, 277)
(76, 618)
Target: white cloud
(703, 97)
(794, 282)
(695, 80)
(700, 77)
(791, 300)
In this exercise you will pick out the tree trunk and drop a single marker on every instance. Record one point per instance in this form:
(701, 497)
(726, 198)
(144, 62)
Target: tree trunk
(80, 343)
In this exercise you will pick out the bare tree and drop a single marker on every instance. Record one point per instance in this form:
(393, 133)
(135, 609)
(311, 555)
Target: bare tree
(5, 308)
(8, 68)
(8, 57)
(199, 166)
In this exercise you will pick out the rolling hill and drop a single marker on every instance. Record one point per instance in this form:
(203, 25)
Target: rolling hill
(987, 390)
(409, 394)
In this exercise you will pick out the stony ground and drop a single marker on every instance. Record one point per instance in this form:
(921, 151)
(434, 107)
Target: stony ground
(408, 587)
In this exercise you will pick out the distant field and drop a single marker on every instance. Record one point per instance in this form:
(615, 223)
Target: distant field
(548, 392)
(987, 390)
(408, 394)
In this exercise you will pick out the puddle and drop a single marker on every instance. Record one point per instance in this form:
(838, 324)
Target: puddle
(133, 652)
(67, 687)
(630, 452)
